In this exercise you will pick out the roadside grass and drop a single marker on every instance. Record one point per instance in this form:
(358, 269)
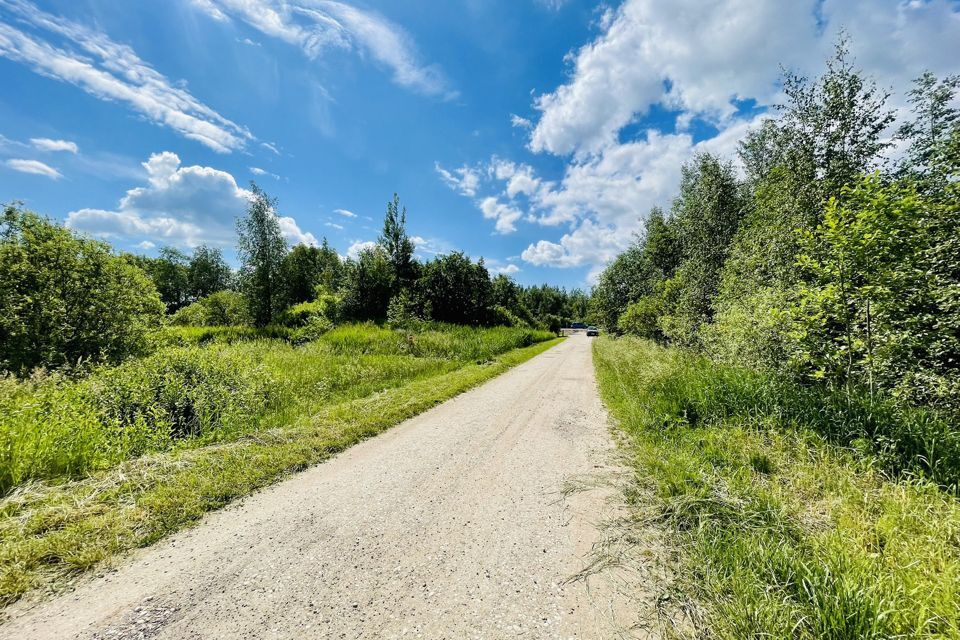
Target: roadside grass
(50, 532)
(787, 523)
(184, 396)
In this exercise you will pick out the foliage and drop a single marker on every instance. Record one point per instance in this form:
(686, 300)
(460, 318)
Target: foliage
(262, 249)
(869, 313)
(306, 268)
(457, 289)
(66, 299)
(170, 273)
(812, 267)
(407, 309)
(207, 273)
(398, 245)
(368, 283)
(224, 308)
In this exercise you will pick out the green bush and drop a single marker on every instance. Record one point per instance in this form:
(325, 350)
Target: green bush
(641, 318)
(224, 308)
(66, 299)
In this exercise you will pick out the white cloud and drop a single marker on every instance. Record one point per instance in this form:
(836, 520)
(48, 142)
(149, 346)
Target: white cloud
(505, 215)
(249, 42)
(333, 225)
(270, 147)
(317, 25)
(91, 61)
(465, 180)
(519, 177)
(506, 269)
(294, 235)
(257, 171)
(354, 250)
(46, 144)
(33, 166)
(146, 245)
(691, 54)
(699, 58)
(346, 213)
(520, 122)
(182, 206)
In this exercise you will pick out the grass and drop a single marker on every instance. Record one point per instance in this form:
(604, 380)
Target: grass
(307, 403)
(787, 522)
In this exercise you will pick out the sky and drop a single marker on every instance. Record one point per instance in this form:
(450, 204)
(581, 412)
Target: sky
(536, 134)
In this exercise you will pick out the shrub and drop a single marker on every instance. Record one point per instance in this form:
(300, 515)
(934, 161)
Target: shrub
(224, 308)
(327, 306)
(641, 317)
(65, 299)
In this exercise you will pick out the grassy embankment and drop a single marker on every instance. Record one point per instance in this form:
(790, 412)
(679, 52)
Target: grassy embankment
(795, 513)
(121, 458)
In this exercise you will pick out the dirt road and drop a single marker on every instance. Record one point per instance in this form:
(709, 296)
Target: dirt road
(454, 524)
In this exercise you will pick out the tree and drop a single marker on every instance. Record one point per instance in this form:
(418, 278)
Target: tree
(170, 275)
(207, 273)
(930, 134)
(368, 285)
(398, 245)
(707, 214)
(301, 274)
(457, 290)
(262, 249)
(64, 298)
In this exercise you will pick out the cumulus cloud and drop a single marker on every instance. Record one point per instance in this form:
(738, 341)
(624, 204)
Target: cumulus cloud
(46, 144)
(33, 166)
(465, 180)
(181, 206)
(506, 269)
(294, 235)
(359, 245)
(504, 215)
(702, 59)
(318, 25)
(94, 63)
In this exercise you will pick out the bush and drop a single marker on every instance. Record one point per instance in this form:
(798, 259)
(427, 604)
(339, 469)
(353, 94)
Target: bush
(66, 299)
(224, 308)
(641, 318)
(327, 306)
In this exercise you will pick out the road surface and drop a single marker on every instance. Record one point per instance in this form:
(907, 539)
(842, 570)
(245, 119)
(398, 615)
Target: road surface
(454, 524)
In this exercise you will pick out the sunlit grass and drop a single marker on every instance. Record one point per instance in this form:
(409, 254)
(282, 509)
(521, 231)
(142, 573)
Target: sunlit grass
(781, 532)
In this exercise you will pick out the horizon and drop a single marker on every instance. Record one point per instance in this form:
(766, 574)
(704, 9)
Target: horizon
(536, 135)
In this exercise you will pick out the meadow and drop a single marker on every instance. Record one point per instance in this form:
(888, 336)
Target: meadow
(792, 512)
(115, 459)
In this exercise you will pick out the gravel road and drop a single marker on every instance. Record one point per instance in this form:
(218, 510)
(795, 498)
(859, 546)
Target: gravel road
(454, 524)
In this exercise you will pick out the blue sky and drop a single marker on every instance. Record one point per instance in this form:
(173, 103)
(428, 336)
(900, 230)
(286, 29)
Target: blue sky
(534, 133)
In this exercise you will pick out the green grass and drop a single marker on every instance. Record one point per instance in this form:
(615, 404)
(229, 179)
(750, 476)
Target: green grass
(787, 521)
(130, 454)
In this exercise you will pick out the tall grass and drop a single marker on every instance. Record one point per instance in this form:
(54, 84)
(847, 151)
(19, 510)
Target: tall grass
(793, 518)
(185, 396)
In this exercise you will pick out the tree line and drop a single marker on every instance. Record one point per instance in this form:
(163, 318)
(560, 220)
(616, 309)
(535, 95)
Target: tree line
(66, 299)
(834, 258)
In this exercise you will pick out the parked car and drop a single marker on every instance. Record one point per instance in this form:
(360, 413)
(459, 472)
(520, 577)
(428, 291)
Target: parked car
(592, 331)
